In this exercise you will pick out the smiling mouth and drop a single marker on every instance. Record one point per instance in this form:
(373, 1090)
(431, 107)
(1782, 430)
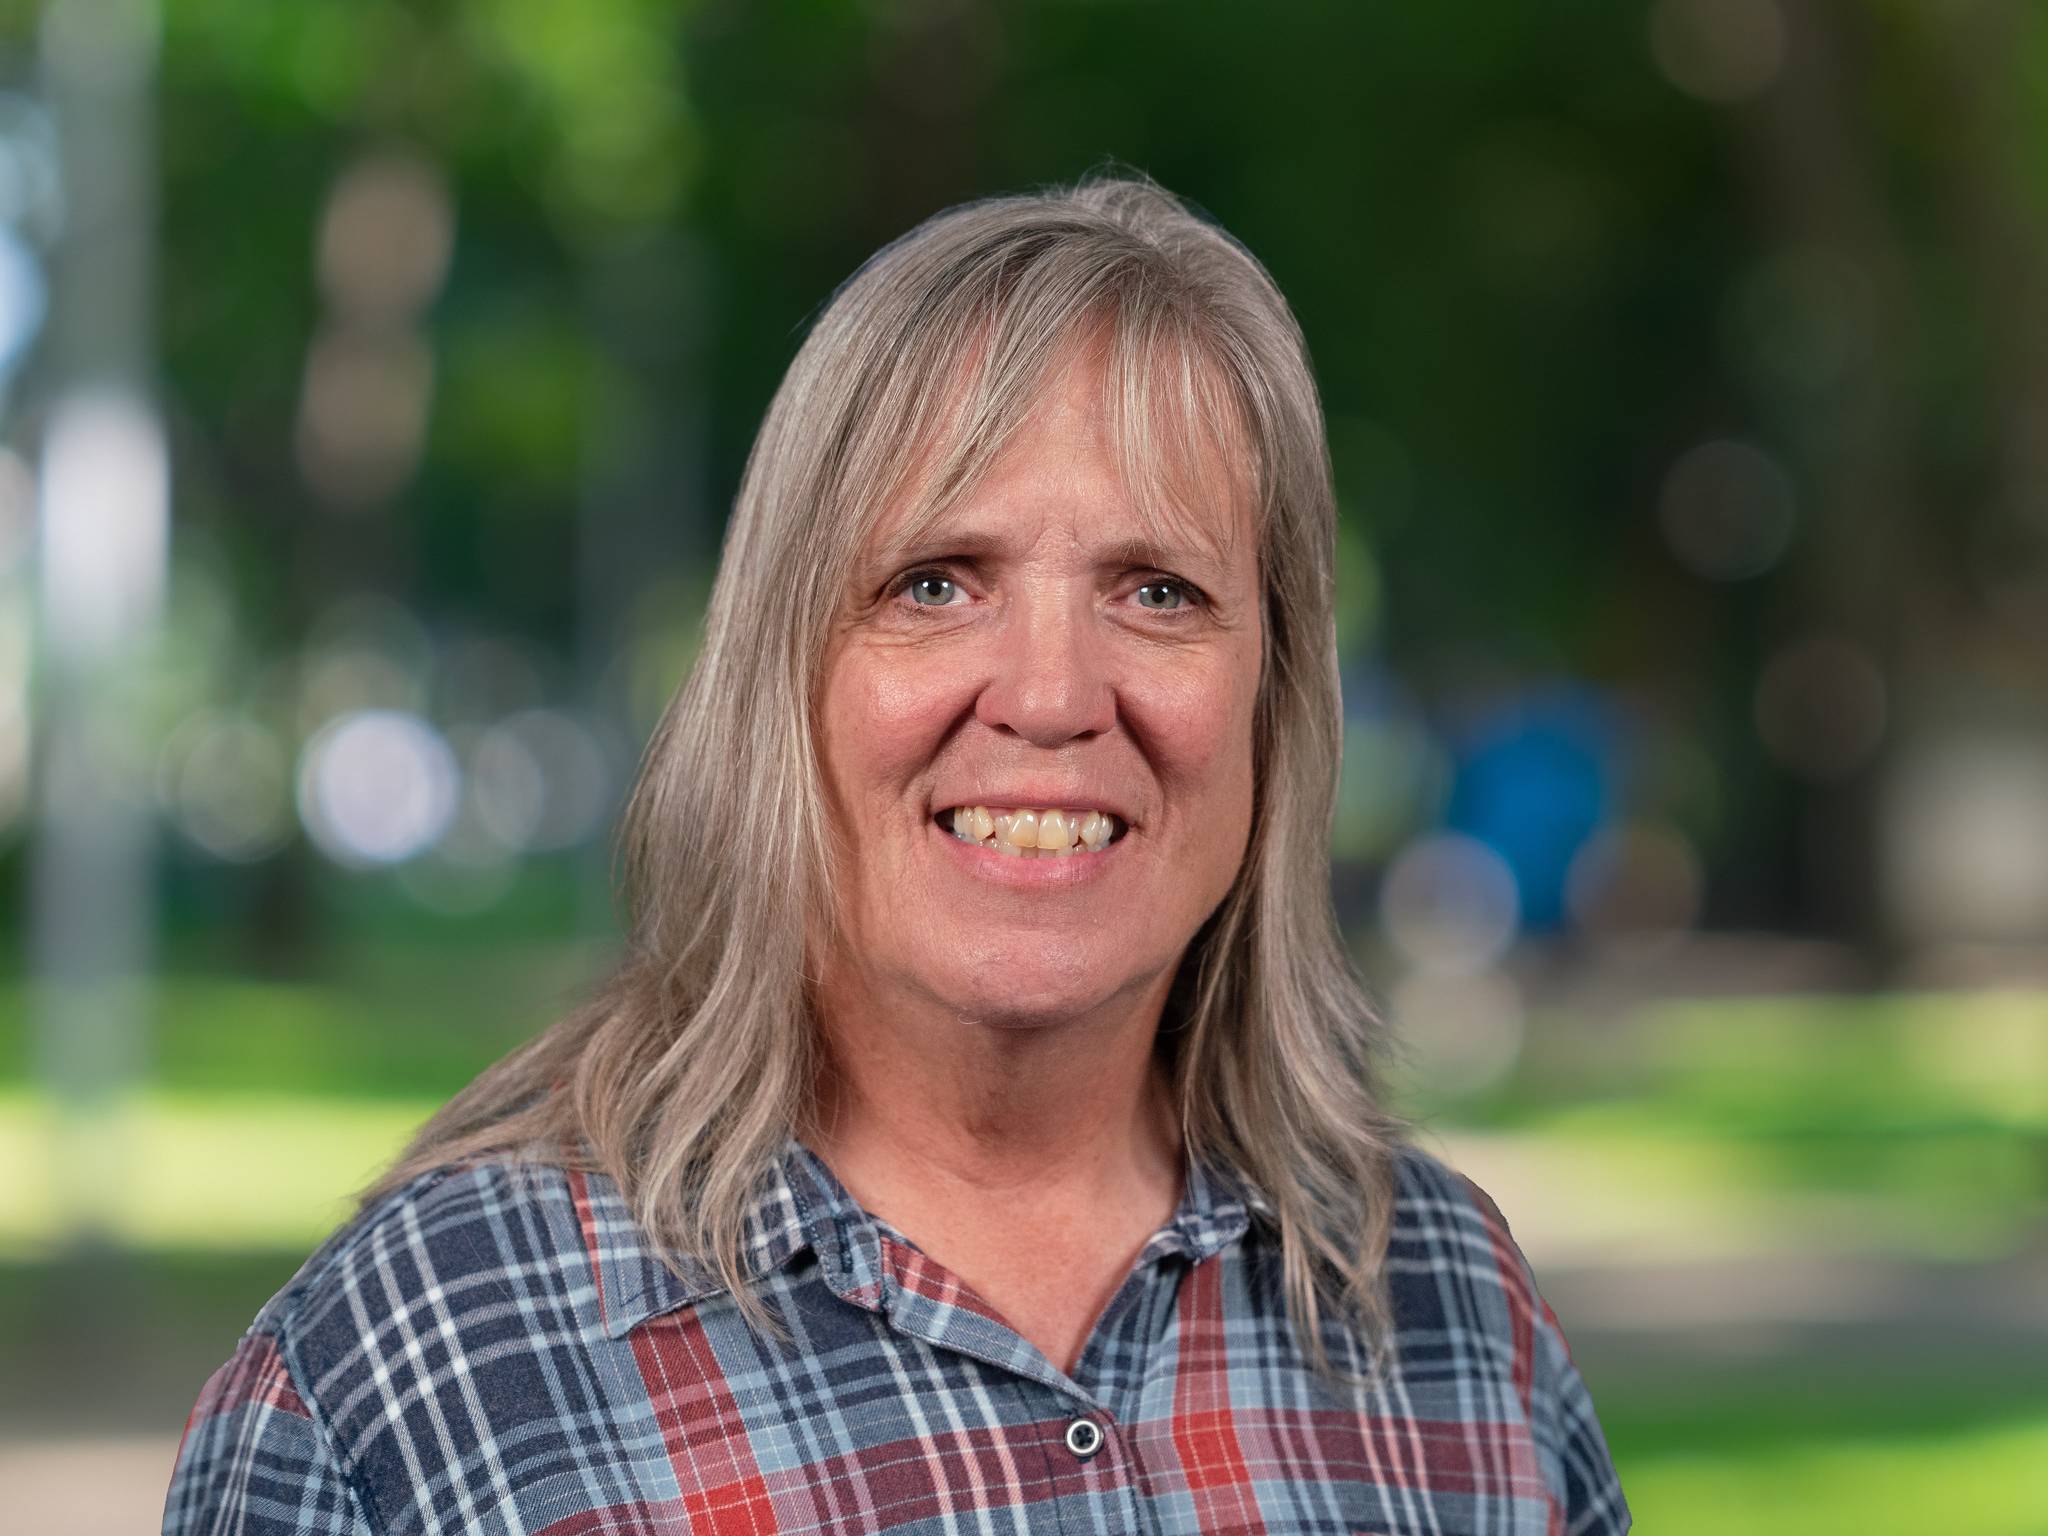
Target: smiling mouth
(1058, 833)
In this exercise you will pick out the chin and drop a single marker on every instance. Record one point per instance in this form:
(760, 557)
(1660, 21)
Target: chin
(1033, 994)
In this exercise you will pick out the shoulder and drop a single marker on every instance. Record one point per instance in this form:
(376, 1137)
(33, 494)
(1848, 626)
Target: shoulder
(457, 1295)
(450, 1233)
(449, 1316)
(1466, 1306)
(1453, 1264)
(1437, 1206)
(398, 1312)
(458, 1256)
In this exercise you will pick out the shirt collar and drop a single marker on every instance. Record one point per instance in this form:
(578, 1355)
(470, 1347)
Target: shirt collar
(803, 1206)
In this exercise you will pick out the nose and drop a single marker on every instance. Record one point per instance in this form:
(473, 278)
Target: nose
(1049, 681)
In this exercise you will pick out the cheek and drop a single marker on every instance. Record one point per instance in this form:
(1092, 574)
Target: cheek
(1199, 725)
(882, 715)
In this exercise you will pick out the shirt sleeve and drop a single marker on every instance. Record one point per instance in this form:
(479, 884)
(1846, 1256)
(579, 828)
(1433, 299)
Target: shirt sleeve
(1589, 1494)
(1592, 1498)
(254, 1460)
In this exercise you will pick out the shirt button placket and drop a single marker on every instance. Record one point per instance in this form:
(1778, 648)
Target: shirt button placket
(1086, 1441)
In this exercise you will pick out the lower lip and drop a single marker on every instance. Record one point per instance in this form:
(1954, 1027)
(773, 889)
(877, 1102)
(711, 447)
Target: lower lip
(1030, 874)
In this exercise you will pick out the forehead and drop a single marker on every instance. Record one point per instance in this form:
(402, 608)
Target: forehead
(1111, 454)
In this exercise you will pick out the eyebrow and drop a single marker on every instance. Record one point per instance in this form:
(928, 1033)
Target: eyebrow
(932, 541)
(1144, 552)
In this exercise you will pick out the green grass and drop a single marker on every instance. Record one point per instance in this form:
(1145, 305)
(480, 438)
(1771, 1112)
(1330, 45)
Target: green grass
(1821, 1460)
(1988, 1482)
(184, 1171)
(1813, 1065)
(388, 1026)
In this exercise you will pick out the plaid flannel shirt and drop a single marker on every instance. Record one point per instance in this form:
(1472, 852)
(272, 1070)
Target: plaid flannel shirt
(496, 1349)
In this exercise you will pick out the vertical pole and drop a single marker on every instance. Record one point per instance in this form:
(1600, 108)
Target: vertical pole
(101, 559)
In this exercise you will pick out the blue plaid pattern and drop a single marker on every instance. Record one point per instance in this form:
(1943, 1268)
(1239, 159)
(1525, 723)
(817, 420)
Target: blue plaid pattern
(494, 1349)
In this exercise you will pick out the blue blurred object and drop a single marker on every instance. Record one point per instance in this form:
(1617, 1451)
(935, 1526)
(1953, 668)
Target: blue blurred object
(22, 299)
(1534, 778)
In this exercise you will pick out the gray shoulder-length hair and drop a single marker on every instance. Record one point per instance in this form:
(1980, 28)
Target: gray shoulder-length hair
(682, 1076)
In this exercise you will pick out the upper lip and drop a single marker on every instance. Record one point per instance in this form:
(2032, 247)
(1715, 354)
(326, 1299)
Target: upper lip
(1038, 800)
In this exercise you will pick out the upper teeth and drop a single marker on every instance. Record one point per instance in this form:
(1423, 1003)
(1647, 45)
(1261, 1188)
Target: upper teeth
(1055, 831)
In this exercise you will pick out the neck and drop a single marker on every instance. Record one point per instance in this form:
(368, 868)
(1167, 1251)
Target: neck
(915, 1105)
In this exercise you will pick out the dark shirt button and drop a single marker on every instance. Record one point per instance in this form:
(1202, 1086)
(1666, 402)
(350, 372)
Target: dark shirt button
(1084, 1438)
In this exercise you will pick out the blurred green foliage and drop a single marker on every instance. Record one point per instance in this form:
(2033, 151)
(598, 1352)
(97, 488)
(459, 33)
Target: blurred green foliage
(1532, 273)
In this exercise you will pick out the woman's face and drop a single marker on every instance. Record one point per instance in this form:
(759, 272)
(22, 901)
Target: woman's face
(1039, 673)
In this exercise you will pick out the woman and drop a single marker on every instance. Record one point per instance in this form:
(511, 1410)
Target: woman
(981, 1131)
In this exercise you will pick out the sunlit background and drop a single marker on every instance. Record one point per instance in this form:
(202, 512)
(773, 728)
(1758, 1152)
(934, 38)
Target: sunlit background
(373, 382)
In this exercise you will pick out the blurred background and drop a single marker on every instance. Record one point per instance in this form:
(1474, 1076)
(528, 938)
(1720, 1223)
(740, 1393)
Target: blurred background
(374, 380)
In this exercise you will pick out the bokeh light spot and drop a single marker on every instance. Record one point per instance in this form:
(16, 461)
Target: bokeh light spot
(385, 239)
(1450, 904)
(226, 781)
(377, 787)
(542, 781)
(1460, 1034)
(1727, 510)
(1964, 841)
(1718, 50)
(1635, 880)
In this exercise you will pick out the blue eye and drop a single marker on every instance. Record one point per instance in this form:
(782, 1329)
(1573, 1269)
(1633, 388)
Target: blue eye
(932, 590)
(1161, 595)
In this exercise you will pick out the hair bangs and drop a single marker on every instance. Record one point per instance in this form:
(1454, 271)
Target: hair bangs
(1181, 431)
(1177, 422)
